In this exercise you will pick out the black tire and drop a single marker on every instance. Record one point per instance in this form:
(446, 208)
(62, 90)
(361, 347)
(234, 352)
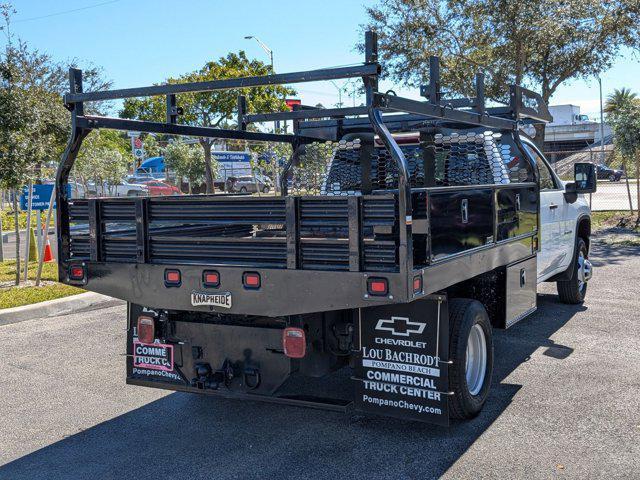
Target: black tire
(265, 189)
(612, 178)
(570, 291)
(243, 189)
(464, 313)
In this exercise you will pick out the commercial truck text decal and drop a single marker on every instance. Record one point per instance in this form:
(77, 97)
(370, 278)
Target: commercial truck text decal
(155, 356)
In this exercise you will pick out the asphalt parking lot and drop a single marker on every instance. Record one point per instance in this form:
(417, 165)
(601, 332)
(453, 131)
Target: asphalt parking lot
(565, 404)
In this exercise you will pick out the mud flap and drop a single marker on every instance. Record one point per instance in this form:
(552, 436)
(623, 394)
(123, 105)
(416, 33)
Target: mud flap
(402, 366)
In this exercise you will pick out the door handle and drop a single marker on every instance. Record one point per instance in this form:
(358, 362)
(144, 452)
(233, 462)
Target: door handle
(553, 206)
(464, 210)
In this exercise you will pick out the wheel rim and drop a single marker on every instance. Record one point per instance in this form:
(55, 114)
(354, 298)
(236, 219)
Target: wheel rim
(476, 364)
(585, 271)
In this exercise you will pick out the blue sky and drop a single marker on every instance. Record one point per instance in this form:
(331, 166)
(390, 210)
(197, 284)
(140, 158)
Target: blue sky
(139, 42)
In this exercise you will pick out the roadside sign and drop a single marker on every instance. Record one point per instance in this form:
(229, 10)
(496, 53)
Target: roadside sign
(232, 164)
(138, 152)
(291, 102)
(41, 196)
(133, 134)
(137, 143)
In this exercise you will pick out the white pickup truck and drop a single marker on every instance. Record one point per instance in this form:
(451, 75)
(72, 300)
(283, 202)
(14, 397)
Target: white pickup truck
(565, 226)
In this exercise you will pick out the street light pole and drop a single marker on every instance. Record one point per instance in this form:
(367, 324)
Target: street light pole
(276, 124)
(265, 48)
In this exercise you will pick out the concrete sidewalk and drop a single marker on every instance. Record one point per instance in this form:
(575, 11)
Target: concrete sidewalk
(59, 306)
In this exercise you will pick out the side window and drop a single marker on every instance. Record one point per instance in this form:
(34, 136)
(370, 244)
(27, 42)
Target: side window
(546, 179)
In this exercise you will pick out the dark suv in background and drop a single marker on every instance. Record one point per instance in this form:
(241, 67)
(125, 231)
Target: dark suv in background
(604, 172)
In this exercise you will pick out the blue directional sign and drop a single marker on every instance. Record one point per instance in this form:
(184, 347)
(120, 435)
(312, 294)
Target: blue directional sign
(41, 196)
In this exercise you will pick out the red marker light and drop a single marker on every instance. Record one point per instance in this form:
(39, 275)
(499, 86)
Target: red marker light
(251, 280)
(294, 342)
(76, 272)
(377, 287)
(172, 278)
(146, 329)
(211, 278)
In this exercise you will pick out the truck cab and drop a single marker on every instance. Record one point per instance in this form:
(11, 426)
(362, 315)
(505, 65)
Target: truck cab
(565, 219)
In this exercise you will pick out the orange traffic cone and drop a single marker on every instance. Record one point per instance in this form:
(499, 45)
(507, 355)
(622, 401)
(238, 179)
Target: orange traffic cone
(48, 254)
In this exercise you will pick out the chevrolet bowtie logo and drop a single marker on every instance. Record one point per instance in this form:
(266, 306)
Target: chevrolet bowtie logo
(400, 326)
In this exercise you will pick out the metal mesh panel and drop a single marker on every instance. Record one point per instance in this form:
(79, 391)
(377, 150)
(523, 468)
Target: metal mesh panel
(310, 175)
(470, 159)
(344, 171)
(384, 173)
(461, 158)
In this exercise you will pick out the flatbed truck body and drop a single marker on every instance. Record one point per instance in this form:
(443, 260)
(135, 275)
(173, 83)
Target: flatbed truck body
(405, 231)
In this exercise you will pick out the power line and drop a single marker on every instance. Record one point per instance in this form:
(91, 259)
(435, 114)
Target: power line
(65, 12)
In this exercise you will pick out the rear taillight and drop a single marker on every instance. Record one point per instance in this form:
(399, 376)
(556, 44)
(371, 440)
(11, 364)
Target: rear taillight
(77, 273)
(378, 287)
(146, 329)
(417, 284)
(251, 280)
(172, 278)
(294, 342)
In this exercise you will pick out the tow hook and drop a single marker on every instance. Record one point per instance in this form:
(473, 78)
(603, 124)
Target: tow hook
(251, 377)
(344, 335)
(206, 378)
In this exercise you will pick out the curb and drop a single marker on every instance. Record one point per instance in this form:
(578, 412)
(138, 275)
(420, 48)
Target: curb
(59, 306)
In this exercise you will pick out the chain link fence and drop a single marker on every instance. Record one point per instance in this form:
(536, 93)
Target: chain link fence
(616, 189)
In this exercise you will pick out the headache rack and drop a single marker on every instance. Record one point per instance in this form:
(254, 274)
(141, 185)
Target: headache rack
(364, 229)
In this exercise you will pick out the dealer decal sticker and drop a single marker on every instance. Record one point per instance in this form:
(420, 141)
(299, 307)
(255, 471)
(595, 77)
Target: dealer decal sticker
(154, 356)
(402, 367)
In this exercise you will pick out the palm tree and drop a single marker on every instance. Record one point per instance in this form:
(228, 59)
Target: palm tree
(619, 99)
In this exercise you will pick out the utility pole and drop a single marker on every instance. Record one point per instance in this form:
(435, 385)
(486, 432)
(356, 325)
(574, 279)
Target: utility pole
(601, 124)
(339, 105)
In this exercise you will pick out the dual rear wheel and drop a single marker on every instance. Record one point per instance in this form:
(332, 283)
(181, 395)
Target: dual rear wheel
(471, 353)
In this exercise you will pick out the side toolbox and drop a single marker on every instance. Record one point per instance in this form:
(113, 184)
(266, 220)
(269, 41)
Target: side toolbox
(520, 290)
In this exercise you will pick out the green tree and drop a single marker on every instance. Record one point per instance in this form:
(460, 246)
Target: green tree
(619, 99)
(87, 167)
(625, 123)
(187, 161)
(213, 109)
(538, 43)
(152, 147)
(34, 125)
(105, 158)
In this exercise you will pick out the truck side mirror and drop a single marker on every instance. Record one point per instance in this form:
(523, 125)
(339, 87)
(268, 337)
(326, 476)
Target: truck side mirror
(585, 177)
(585, 181)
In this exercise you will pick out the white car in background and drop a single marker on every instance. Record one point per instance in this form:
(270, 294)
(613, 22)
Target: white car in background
(122, 189)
